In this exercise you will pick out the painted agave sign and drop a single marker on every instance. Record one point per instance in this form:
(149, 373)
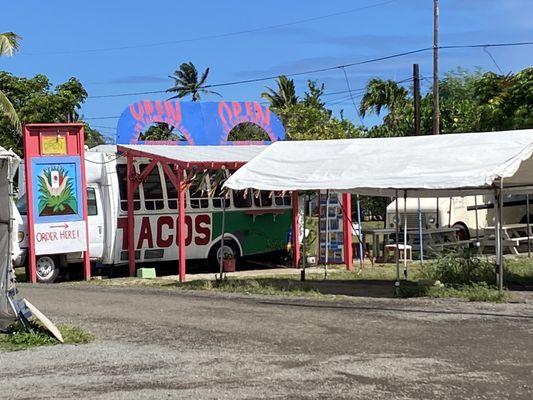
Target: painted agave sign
(56, 192)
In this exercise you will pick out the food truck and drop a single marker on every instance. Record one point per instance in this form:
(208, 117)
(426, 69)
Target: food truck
(255, 223)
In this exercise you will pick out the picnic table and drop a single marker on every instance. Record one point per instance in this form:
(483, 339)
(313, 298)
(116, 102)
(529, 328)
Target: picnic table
(434, 239)
(513, 235)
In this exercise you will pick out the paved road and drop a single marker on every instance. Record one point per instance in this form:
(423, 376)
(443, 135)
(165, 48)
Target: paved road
(165, 343)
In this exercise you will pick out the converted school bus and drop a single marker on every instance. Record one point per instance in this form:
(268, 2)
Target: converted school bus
(254, 224)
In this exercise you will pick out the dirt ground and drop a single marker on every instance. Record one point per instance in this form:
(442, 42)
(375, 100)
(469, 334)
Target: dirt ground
(156, 343)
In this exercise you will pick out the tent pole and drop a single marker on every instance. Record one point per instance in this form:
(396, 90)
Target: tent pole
(327, 235)
(528, 227)
(450, 213)
(397, 250)
(304, 247)
(405, 234)
(420, 237)
(497, 232)
(295, 228)
(477, 220)
(500, 261)
(359, 233)
(223, 233)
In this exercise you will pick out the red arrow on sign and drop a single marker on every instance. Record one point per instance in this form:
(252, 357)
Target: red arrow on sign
(64, 226)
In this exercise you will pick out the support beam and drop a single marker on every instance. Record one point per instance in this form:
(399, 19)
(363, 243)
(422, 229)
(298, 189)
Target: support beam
(295, 230)
(130, 172)
(347, 229)
(181, 225)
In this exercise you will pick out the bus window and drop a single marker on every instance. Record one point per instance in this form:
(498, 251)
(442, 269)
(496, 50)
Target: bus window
(22, 205)
(264, 199)
(218, 194)
(172, 194)
(92, 208)
(198, 194)
(123, 189)
(242, 198)
(284, 200)
(153, 191)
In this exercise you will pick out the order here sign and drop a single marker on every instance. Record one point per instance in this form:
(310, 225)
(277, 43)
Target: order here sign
(56, 191)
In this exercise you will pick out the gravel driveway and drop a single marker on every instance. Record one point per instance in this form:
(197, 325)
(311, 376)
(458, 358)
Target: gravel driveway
(166, 343)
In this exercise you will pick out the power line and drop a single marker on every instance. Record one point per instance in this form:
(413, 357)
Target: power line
(214, 36)
(314, 71)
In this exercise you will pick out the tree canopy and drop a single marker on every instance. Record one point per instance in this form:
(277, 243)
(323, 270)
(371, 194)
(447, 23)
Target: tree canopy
(36, 100)
(187, 83)
(469, 102)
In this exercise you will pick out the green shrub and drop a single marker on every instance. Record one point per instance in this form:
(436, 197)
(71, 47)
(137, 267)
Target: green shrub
(16, 338)
(460, 268)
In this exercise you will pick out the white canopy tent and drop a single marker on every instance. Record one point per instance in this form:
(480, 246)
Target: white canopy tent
(9, 221)
(425, 166)
(416, 166)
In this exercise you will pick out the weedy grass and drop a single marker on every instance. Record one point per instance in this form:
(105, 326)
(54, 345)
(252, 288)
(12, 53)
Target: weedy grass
(470, 292)
(16, 338)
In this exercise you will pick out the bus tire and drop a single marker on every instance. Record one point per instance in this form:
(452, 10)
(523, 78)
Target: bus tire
(463, 233)
(214, 253)
(47, 269)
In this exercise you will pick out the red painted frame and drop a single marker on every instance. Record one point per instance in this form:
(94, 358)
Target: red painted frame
(173, 169)
(75, 143)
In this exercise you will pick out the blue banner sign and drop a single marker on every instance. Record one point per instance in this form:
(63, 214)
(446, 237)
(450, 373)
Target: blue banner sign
(199, 123)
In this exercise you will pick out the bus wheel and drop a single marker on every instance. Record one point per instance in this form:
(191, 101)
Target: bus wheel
(230, 247)
(462, 233)
(47, 269)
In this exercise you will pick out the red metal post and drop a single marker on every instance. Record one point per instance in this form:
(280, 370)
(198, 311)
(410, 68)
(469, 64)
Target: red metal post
(29, 197)
(130, 172)
(295, 229)
(181, 226)
(347, 229)
(86, 255)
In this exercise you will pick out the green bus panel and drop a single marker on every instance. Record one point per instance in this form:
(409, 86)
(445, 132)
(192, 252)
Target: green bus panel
(257, 234)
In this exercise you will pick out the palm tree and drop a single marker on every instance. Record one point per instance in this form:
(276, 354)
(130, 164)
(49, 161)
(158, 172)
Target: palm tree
(9, 44)
(382, 93)
(285, 95)
(186, 82)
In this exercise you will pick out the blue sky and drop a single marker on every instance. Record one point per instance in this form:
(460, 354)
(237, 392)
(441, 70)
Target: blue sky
(65, 38)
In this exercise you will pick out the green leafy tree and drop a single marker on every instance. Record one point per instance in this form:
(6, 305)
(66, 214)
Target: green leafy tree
(161, 131)
(186, 82)
(35, 101)
(248, 131)
(9, 44)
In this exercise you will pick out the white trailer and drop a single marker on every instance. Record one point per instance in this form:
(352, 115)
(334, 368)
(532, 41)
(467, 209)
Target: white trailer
(470, 214)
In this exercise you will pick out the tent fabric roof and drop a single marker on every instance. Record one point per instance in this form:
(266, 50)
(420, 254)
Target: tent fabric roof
(423, 165)
(196, 154)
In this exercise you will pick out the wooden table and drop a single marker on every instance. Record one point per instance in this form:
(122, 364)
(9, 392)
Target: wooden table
(513, 235)
(434, 239)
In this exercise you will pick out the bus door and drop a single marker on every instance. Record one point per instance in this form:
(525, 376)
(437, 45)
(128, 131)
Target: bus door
(95, 214)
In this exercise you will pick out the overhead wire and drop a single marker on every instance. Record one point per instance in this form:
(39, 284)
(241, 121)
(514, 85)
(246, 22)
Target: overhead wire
(214, 36)
(319, 70)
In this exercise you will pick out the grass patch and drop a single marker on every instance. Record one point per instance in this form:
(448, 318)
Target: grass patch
(470, 292)
(17, 338)
(286, 286)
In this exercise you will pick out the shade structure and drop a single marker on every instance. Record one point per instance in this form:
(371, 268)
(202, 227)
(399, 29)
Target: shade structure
(424, 166)
(9, 220)
(186, 156)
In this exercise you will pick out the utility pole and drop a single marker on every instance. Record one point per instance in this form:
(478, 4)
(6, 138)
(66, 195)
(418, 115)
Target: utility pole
(436, 108)
(416, 98)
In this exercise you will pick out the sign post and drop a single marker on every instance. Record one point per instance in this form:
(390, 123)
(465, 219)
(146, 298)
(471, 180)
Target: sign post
(56, 192)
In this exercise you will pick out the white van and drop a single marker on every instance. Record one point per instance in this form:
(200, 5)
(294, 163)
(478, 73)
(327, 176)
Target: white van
(470, 213)
(253, 224)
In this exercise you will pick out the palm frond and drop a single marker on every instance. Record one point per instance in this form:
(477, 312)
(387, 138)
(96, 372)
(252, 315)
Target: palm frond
(9, 111)
(9, 43)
